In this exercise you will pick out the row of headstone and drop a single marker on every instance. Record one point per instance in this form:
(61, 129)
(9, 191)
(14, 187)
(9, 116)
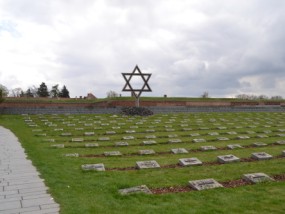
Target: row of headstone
(203, 184)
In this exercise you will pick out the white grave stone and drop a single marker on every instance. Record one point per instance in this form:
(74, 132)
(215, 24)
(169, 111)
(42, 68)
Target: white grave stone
(96, 167)
(222, 138)
(89, 133)
(147, 164)
(103, 138)
(88, 145)
(261, 156)
(257, 177)
(189, 161)
(227, 159)
(150, 136)
(113, 153)
(259, 144)
(149, 142)
(77, 139)
(146, 152)
(179, 151)
(57, 146)
(66, 134)
(280, 142)
(243, 137)
(199, 140)
(174, 141)
(133, 190)
(208, 148)
(72, 155)
(204, 184)
(121, 144)
(128, 137)
(234, 146)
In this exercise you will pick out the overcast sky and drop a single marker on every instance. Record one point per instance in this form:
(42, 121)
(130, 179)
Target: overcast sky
(225, 47)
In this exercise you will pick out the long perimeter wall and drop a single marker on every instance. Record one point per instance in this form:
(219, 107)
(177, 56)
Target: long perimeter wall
(114, 107)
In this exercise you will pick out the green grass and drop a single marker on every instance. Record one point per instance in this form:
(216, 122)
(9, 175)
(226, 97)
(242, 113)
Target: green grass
(97, 192)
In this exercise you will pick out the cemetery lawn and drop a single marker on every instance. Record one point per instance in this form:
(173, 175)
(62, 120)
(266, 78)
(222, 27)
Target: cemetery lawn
(79, 191)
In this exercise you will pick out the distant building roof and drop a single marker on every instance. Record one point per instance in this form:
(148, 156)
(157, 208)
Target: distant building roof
(91, 96)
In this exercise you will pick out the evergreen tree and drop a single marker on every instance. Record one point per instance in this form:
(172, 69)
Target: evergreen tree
(29, 93)
(43, 90)
(64, 93)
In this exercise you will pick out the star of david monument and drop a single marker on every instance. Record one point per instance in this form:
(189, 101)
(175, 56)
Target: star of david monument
(141, 86)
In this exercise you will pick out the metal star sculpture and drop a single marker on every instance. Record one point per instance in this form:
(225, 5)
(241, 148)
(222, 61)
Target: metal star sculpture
(136, 91)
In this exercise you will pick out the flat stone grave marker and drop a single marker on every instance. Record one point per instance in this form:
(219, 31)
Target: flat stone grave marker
(187, 129)
(147, 164)
(222, 127)
(232, 133)
(281, 130)
(280, 135)
(136, 189)
(179, 151)
(194, 134)
(149, 142)
(130, 131)
(110, 132)
(58, 129)
(72, 155)
(96, 167)
(267, 131)
(204, 184)
(128, 137)
(77, 139)
(262, 136)
(121, 144)
(116, 127)
(227, 159)
(57, 146)
(257, 177)
(174, 141)
(66, 134)
(170, 130)
(150, 130)
(222, 138)
(113, 153)
(79, 129)
(71, 124)
(189, 161)
(172, 135)
(89, 133)
(250, 132)
(103, 138)
(259, 144)
(283, 153)
(243, 137)
(88, 145)
(208, 148)
(150, 136)
(213, 133)
(105, 124)
(234, 146)
(146, 152)
(199, 140)
(261, 156)
(280, 142)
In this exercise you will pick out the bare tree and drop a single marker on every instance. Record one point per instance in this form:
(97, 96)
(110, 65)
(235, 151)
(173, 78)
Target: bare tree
(16, 92)
(205, 94)
(111, 94)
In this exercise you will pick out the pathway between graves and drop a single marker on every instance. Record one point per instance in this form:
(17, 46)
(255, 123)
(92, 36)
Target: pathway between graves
(21, 188)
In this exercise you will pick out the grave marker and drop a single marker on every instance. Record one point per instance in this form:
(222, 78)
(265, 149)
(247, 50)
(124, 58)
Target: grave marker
(257, 177)
(77, 140)
(96, 167)
(204, 184)
(113, 153)
(261, 156)
(179, 151)
(149, 142)
(208, 148)
(227, 159)
(88, 145)
(137, 189)
(189, 161)
(259, 144)
(199, 140)
(174, 141)
(146, 152)
(147, 164)
(234, 146)
(121, 144)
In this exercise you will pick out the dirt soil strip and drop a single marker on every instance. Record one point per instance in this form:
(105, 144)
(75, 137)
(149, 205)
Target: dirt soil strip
(246, 160)
(226, 184)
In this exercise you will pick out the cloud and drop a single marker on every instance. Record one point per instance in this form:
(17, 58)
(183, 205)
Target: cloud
(223, 47)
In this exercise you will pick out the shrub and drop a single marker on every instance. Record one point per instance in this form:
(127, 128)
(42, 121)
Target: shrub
(140, 111)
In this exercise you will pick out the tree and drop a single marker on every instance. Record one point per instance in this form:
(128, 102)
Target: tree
(54, 91)
(205, 94)
(16, 92)
(111, 94)
(29, 93)
(1, 98)
(43, 90)
(4, 91)
(64, 93)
